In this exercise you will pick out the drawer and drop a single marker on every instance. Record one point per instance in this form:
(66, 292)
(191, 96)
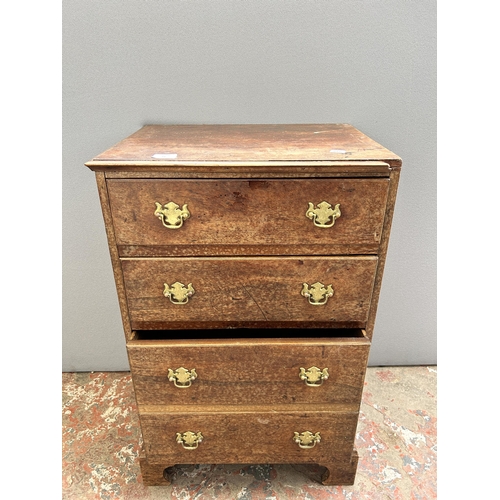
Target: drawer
(251, 371)
(252, 289)
(261, 216)
(243, 436)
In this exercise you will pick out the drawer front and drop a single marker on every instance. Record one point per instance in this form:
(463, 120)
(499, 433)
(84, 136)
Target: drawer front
(249, 372)
(246, 436)
(224, 214)
(248, 289)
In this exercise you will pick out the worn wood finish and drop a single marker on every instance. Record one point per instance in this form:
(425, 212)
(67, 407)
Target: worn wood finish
(383, 252)
(236, 212)
(338, 472)
(247, 249)
(249, 289)
(239, 372)
(240, 408)
(113, 251)
(217, 250)
(202, 143)
(242, 170)
(153, 474)
(223, 329)
(341, 472)
(249, 437)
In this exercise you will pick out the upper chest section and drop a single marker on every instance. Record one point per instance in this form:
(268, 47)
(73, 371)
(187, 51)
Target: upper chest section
(272, 189)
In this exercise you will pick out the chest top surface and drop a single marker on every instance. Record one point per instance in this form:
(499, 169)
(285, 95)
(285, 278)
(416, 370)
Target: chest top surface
(176, 144)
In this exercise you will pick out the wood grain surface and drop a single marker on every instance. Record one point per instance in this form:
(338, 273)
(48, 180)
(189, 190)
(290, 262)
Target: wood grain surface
(248, 289)
(241, 170)
(253, 213)
(113, 252)
(256, 142)
(384, 243)
(239, 372)
(259, 436)
(247, 249)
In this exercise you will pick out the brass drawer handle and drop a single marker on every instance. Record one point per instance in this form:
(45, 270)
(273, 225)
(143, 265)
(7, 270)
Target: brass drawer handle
(317, 294)
(189, 440)
(314, 376)
(178, 293)
(306, 440)
(323, 215)
(181, 377)
(171, 215)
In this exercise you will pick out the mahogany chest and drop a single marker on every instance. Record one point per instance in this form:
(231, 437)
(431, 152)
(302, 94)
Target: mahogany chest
(248, 262)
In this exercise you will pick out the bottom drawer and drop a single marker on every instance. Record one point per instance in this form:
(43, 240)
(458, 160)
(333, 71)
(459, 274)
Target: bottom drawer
(246, 436)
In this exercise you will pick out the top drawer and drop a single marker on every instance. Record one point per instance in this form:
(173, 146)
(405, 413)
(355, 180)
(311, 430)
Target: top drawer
(230, 217)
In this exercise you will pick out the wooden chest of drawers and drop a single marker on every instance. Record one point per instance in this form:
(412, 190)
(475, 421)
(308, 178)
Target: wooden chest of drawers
(248, 262)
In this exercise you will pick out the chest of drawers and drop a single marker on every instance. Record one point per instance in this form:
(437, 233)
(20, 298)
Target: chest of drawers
(248, 262)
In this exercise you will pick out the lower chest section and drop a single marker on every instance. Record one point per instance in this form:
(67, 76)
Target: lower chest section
(291, 395)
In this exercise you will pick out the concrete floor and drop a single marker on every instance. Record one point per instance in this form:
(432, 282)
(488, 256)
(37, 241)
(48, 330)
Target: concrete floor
(396, 443)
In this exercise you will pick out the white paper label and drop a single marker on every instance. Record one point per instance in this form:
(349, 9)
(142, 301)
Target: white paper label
(165, 156)
(342, 151)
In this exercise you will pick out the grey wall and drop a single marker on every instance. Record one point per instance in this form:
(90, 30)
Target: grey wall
(370, 63)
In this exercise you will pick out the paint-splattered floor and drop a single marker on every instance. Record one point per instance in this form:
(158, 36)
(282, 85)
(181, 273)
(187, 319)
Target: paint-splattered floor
(396, 443)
